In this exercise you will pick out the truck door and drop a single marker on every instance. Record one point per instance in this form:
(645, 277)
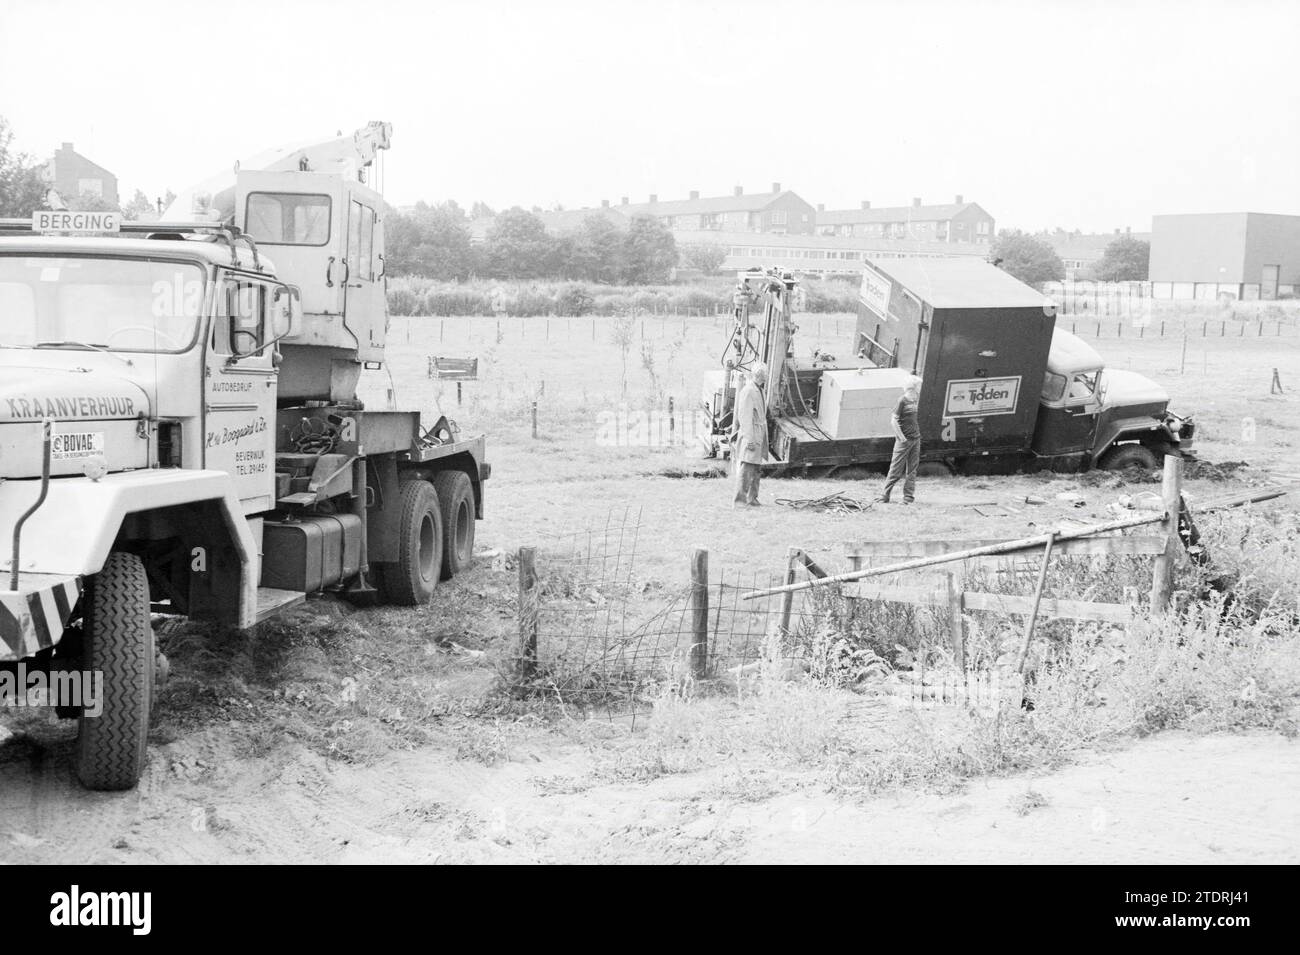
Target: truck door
(239, 389)
(364, 303)
(300, 220)
(1069, 423)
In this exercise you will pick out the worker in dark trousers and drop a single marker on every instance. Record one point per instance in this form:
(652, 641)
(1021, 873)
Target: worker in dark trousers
(907, 443)
(749, 446)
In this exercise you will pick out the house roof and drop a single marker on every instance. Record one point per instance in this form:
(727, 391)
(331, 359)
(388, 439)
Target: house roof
(858, 243)
(568, 220)
(752, 202)
(52, 164)
(936, 213)
(959, 283)
(1082, 245)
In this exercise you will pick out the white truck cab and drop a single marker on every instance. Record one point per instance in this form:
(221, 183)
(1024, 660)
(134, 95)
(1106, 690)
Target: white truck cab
(180, 433)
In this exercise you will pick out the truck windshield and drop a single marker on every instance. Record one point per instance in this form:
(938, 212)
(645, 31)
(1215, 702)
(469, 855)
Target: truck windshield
(99, 304)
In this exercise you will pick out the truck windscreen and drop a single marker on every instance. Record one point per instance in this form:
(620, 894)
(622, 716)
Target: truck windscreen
(99, 304)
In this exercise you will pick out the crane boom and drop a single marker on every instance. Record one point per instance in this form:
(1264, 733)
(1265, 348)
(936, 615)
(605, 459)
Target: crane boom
(347, 156)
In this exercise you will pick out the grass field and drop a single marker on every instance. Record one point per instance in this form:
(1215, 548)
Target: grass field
(575, 372)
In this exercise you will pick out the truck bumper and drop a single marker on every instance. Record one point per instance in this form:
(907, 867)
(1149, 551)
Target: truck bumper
(32, 617)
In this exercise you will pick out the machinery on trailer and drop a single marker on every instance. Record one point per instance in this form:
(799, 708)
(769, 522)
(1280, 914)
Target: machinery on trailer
(180, 430)
(1003, 388)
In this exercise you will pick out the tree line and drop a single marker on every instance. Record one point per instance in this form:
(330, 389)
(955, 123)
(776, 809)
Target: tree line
(435, 241)
(1033, 260)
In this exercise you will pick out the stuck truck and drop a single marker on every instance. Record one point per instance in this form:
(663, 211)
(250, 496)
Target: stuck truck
(1004, 389)
(181, 433)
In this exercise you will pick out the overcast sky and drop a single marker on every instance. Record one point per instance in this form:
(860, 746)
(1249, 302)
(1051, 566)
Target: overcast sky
(1067, 113)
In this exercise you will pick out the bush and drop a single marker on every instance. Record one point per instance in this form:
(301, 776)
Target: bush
(530, 301)
(455, 300)
(574, 299)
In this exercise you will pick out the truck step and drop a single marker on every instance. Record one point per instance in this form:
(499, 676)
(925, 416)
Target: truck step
(271, 601)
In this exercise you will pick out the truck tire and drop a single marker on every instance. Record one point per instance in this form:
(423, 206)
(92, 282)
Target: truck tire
(456, 496)
(411, 580)
(1126, 457)
(118, 642)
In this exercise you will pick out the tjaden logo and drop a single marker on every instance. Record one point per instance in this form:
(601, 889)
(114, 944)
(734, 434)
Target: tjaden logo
(102, 908)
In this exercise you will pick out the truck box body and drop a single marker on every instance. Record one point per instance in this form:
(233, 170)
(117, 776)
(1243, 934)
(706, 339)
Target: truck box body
(978, 338)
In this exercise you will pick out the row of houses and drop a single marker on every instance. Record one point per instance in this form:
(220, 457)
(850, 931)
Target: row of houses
(1237, 255)
(784, 212)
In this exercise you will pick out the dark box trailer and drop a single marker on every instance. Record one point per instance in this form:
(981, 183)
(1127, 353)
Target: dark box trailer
(977, 337)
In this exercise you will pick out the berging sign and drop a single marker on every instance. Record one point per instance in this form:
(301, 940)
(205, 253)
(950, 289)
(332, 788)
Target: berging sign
(50, 221)
(875, 291)
(981, 396)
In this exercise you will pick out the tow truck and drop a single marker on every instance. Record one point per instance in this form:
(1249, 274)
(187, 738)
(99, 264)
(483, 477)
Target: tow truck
(181, 433)
(1004, 389)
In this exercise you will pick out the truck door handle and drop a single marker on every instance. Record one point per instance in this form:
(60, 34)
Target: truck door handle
(329, 273)
(347, 271)
(383, 267)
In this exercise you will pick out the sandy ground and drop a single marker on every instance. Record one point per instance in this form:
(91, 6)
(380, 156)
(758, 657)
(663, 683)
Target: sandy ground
(1171, 798)
(541, 796)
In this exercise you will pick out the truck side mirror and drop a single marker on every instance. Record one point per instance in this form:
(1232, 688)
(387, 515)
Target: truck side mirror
(286, 312)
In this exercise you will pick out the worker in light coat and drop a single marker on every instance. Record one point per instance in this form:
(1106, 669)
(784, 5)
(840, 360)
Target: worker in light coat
(749, 446)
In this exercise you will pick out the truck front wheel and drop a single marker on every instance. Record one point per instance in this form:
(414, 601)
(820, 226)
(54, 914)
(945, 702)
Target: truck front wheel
(117, 644)
(456, 496)
(411, 579)
(1126, 457)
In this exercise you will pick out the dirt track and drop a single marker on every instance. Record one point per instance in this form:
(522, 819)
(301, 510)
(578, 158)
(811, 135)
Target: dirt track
(1172, 798)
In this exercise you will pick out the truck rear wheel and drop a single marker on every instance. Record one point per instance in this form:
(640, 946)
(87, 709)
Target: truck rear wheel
(411, 579)
(1126, 457)
(118, 643)
(456, 496)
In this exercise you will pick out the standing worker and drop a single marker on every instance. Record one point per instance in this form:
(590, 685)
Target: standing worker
(750, 442)
(907, 443)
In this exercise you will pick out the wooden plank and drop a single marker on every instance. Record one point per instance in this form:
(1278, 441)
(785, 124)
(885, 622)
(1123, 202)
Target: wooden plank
(1073, 609)
(465, 369)
(879, 590)
(1134, 545)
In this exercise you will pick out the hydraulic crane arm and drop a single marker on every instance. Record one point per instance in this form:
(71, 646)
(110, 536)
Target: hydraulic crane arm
(349, 156)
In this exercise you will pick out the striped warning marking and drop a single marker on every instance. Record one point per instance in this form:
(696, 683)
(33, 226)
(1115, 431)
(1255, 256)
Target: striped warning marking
(33, 617)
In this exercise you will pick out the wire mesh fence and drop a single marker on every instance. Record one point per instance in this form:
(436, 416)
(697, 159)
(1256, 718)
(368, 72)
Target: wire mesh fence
(597, 637)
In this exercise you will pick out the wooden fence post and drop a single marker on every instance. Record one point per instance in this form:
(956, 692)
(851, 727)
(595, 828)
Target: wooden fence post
(787, 598)
(527, 613)
(1171, 492)
(957, 626)
(534, 419)
(699, 658)
(1038, 599)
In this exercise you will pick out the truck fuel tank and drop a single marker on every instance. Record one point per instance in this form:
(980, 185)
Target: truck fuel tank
(311, 553)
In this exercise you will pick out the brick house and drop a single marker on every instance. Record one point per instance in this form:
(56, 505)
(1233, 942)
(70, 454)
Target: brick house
(70, 174)
(956, 221)
(777, 212)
